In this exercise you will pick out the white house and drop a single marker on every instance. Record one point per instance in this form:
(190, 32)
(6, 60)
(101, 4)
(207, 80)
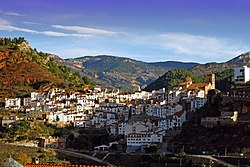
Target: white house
(173, 108)
(166, 123)
(156, 110)
(179, 118)
(241, 74)
(137, 141)
(196, 103)
(121, 128)
(13, 103)
(34, 95)
(136, 128)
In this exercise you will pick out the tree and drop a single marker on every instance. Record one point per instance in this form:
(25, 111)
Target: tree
(23, 158)
(57, 118)
(151, 149)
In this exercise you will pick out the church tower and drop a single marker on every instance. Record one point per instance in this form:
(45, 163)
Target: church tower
(211, 80)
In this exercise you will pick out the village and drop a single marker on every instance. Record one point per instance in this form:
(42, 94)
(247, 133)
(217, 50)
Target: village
(143, 118)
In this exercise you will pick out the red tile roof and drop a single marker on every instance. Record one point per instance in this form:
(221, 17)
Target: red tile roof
(63, 165)
(197, 86)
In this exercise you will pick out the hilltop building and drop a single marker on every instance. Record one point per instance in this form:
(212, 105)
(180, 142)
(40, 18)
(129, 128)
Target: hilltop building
(241, 74)
(189, 85)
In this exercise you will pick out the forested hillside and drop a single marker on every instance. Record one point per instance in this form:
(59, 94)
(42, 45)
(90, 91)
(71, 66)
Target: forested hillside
(23, 69)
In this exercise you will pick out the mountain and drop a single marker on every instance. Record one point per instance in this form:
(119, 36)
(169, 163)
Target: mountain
(240, 60)
(223, 72)
(173, 64)
(119, 72)
(171, 78)
(23, 69)
(243, 59)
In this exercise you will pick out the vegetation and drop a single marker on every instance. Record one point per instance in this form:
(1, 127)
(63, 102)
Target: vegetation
(11, 43)
(23, 69)
(31, 130)
(123, 73)
(176, 76)
(24, 154)
(172, 78)
(223, 80)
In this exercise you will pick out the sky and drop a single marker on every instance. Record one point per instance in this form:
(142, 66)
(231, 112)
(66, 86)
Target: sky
(147, 30)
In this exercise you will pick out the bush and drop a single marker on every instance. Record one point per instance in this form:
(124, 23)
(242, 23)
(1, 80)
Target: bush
(20, 138)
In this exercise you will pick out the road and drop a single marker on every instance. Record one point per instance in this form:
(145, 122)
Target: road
(213, 159)
(80, 155)
(70, 153)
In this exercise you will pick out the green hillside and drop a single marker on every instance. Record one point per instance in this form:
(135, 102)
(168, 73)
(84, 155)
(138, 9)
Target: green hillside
(172, 78)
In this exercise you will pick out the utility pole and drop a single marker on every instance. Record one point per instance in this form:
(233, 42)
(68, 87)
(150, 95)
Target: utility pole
(225, 151)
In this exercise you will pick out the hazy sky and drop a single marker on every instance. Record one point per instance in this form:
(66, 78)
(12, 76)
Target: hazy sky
(148, 30)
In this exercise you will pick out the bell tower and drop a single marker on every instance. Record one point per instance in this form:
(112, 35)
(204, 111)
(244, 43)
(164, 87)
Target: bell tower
(211, 80)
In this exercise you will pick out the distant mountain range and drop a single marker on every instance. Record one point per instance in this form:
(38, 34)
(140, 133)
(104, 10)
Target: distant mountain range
(128, 74)
(223, 72)
(23, 69)
(123, 73)
(169, 65)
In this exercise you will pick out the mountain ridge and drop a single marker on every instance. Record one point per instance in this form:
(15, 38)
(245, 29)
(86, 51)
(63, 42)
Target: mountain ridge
(106, 75)
(120, 72)
(17, 59)
(223, 72)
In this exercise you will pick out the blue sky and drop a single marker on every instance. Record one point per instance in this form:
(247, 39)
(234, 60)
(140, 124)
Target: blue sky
(149, 30)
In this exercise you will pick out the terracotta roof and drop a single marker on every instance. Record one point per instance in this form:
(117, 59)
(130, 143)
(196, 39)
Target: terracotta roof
(198, 86)
(62, 165)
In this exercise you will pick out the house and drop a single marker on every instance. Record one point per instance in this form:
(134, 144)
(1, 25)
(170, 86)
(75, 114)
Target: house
(51, 142)
(113, 130)
(138, 141)
(136, 128)
(173, 108)
(27, 102)
(13, 103)
(197, 103)
(179, 118)
(121, 128)
(7, 121)
(189, 85)
(166, 123)
(101, 148)
(139, 123)
(210, 122)
(228, 118)
(80, 121)
(241, 74)
(156, 110)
